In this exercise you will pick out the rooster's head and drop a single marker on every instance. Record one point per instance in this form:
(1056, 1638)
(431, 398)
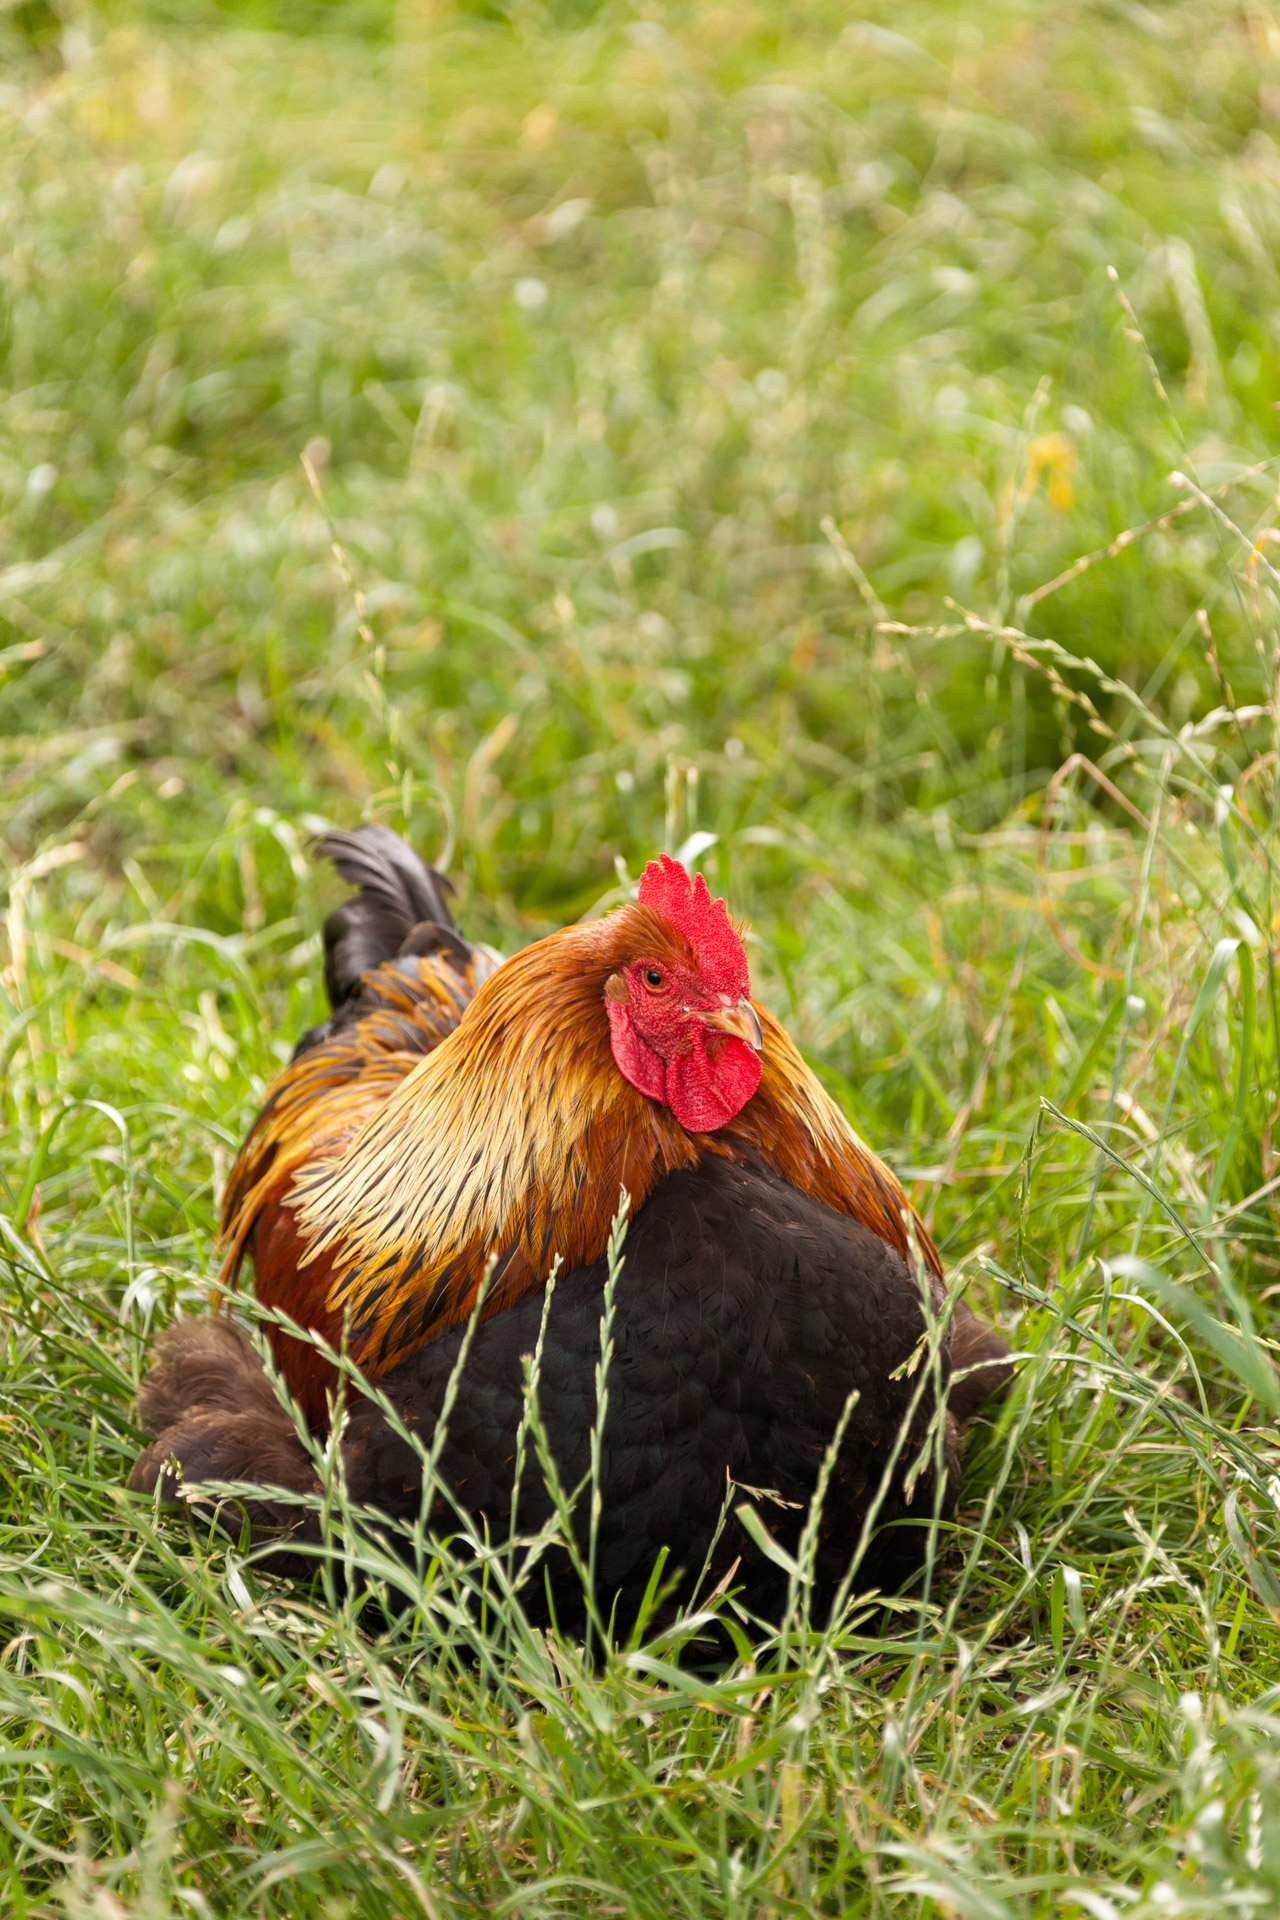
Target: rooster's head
(681, 1023)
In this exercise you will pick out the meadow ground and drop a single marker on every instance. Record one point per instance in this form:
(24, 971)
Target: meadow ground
(711, 404)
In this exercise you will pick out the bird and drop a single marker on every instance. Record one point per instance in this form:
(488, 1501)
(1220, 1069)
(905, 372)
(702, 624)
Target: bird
(435, 1176)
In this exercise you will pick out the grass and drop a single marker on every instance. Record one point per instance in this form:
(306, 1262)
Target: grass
(707, 403)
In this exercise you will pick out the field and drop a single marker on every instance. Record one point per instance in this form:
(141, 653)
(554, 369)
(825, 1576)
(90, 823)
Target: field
(835, 442)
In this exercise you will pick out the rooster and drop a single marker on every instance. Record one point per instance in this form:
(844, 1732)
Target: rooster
(458, 1128)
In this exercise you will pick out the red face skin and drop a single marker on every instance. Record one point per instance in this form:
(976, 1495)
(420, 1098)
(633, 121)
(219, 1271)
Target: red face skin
(695, 1050)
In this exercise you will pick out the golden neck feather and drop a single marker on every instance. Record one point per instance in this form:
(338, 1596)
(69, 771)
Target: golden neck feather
(512, 1139)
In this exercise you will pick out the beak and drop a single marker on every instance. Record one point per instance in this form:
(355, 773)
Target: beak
(741, 1021)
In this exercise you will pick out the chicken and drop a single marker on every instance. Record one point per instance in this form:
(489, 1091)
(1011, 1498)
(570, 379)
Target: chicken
(460, 1123)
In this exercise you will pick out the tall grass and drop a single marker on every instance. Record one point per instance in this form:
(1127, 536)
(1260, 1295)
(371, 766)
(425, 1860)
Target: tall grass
(709, 409)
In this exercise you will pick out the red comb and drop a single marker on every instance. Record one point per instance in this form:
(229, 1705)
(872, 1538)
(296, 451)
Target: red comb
(722, 960)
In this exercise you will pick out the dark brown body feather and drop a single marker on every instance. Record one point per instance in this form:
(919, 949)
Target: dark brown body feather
(765, 1278)
(744, 1315)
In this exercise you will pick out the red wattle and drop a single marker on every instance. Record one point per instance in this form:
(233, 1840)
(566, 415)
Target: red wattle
(704, 1093)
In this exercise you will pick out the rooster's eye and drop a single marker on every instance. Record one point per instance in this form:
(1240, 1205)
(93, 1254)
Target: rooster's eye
(652, 978)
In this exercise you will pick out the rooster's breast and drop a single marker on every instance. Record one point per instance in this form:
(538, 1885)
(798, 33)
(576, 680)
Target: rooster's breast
(745, 1315)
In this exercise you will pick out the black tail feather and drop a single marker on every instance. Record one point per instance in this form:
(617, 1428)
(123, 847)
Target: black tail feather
(398, 893)
(386, 868)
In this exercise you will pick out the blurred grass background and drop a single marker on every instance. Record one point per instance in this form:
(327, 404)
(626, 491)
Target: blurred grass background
(704, 403)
